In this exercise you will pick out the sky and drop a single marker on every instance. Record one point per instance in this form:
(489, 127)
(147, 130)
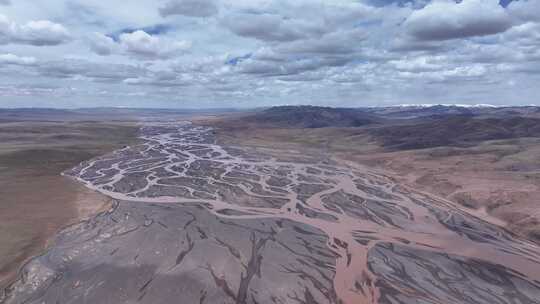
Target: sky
(254, 53)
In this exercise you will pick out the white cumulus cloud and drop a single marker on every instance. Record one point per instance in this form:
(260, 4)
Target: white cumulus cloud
(191, 8)
(16, 60)
(38, 33)
(101, 44)
(526, 10)
(139, 44)
(448, 19)
(142, 44)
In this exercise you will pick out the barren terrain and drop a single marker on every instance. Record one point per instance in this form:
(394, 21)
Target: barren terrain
(35, 200)
(489, 165)
(198, 221)
(230, 209)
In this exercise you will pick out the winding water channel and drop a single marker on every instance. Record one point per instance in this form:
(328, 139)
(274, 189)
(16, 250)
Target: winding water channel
(306, 232)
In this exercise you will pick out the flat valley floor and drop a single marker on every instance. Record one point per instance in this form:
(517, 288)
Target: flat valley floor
(198, 222)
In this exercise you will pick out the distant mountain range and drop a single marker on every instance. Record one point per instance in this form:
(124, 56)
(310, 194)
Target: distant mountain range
(428, 105)
(410, 127)
(313, 117)
(318, 117)
(289, 116)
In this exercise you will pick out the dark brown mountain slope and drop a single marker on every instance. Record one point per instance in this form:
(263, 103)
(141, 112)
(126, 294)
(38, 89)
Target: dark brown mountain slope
(459, 131)
(312, 117)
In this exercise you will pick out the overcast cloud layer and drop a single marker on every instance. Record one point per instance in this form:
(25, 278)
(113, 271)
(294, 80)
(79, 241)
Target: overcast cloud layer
(250, 53)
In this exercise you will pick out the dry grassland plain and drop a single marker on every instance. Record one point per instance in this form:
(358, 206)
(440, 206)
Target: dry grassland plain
(36, 201)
